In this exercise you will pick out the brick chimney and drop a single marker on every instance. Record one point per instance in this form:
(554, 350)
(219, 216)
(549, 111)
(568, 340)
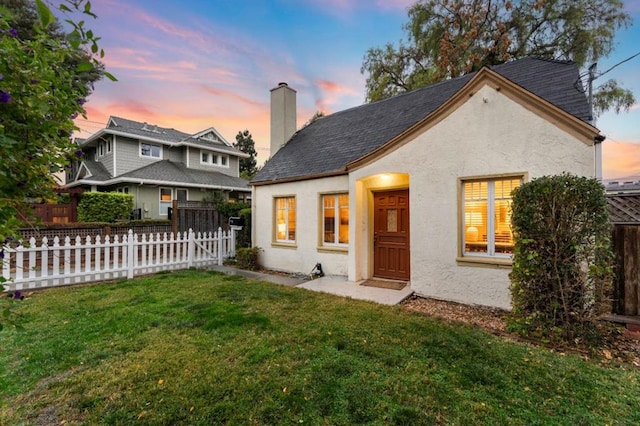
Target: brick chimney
(283, 116)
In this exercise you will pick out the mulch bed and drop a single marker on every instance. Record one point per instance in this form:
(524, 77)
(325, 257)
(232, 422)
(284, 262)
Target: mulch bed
(625, 348)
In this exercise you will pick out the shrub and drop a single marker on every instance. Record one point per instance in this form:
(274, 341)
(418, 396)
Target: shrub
(244, 235)
(104, 207)
(247, 258)
(562, 274)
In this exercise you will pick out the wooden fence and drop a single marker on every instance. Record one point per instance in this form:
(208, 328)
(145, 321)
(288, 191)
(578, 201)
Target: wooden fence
(626, 247)
(196, 215)
(55, 213)
(60, 262)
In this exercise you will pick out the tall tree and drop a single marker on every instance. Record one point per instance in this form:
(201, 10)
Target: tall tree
(449, 38)
(24, 20)
(245, 143)
(39, 98)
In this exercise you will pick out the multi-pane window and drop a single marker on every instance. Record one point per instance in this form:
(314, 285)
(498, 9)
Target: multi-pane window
(213, 159)
(285, 219)
(166, 198)
(335, 219)
(486, 217)
(150, 150)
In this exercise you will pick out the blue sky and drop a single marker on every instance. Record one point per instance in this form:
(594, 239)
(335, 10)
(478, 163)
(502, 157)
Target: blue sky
(194, 64)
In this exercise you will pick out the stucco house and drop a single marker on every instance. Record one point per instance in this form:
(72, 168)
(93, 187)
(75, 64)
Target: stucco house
(417, 187)
(158, 165)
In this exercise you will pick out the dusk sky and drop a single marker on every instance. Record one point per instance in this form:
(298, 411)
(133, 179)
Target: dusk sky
(195, 64)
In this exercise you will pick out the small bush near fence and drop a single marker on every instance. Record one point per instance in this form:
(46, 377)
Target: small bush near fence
(247, 258)
(562, 274)
(104, 207)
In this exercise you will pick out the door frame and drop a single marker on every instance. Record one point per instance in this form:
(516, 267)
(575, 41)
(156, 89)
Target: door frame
(372, 210)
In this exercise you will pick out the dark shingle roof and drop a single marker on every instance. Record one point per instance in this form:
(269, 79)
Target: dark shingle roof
(332, 142)
(165, 134)
(179, 174)
(146, 130)
(98, 171)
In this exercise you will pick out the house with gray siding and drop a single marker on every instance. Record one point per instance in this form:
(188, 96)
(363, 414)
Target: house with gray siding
(158, 165)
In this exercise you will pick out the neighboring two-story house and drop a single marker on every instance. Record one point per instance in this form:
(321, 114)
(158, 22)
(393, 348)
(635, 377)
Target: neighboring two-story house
(158, 165)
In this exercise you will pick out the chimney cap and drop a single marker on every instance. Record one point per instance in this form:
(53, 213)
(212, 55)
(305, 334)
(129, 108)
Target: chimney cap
(282, 83)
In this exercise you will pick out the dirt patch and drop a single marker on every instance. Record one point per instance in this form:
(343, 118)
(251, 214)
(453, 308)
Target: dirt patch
(625, 347)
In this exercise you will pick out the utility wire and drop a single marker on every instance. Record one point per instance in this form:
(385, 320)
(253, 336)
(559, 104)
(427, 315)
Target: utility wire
(619, 63)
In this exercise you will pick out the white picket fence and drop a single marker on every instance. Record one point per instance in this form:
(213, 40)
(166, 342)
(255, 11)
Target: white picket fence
(62, 263)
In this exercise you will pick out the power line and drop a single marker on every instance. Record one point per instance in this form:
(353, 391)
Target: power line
(618, 64)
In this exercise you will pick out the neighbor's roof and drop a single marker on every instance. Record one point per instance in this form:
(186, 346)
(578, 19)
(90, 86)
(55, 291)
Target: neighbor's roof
(163, 172)
(624, 209)
(330, 143)
(163, 135)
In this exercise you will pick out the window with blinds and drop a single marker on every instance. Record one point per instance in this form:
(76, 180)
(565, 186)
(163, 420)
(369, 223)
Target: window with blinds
(285, 224)
(335, 223)
(486, 218)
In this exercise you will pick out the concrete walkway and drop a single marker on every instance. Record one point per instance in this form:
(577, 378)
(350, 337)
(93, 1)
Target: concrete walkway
(333, 284)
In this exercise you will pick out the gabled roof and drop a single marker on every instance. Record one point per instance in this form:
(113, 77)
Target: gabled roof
(163, 135)
(328, 145)
(163, 172)
(624, 209)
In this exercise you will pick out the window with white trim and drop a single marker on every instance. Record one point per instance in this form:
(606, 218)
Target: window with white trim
(166, 200)
(335, 220)
(486, 216)
(150, 150)
(214, 159)
(285, 219)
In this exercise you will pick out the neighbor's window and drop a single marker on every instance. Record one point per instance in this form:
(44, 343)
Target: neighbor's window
(285, 219)
(166, 198)
(486, 218)
(149, 150)
(182, 194)
(208, 157)
(335, 215)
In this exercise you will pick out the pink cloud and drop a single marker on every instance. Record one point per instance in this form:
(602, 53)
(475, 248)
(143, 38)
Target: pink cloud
(230, 95)
(620, 159)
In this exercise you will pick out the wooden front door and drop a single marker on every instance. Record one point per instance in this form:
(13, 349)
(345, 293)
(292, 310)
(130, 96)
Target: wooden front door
(391, 234)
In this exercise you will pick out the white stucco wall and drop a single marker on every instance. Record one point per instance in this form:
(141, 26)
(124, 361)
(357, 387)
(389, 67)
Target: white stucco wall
(479, 138)
(306, 253)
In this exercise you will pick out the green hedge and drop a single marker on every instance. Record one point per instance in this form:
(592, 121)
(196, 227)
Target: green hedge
(104, 207)
(562, 262)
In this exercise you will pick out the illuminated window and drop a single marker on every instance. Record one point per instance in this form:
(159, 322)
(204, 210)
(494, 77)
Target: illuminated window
(285, 219)
(166, 198)
(486, 206)
(335, 215)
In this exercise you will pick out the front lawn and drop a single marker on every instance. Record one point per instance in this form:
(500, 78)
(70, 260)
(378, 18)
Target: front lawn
(197, 347)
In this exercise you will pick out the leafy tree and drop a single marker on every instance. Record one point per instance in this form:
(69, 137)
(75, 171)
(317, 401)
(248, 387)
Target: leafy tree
(449, 38)
(562, 262)
(24, 19)
(245, 143)
(314, 117)
(39, 98)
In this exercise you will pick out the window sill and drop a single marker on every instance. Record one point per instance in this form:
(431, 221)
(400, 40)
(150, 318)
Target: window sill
(327, 249)
(278, 244)
(485, 262)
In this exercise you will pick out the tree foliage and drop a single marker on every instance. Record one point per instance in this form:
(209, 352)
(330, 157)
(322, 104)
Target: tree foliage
(449, 38)
(245, 143)
(562, 262)
(40, 95)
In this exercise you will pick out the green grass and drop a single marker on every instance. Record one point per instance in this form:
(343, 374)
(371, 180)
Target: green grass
(196, 347)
